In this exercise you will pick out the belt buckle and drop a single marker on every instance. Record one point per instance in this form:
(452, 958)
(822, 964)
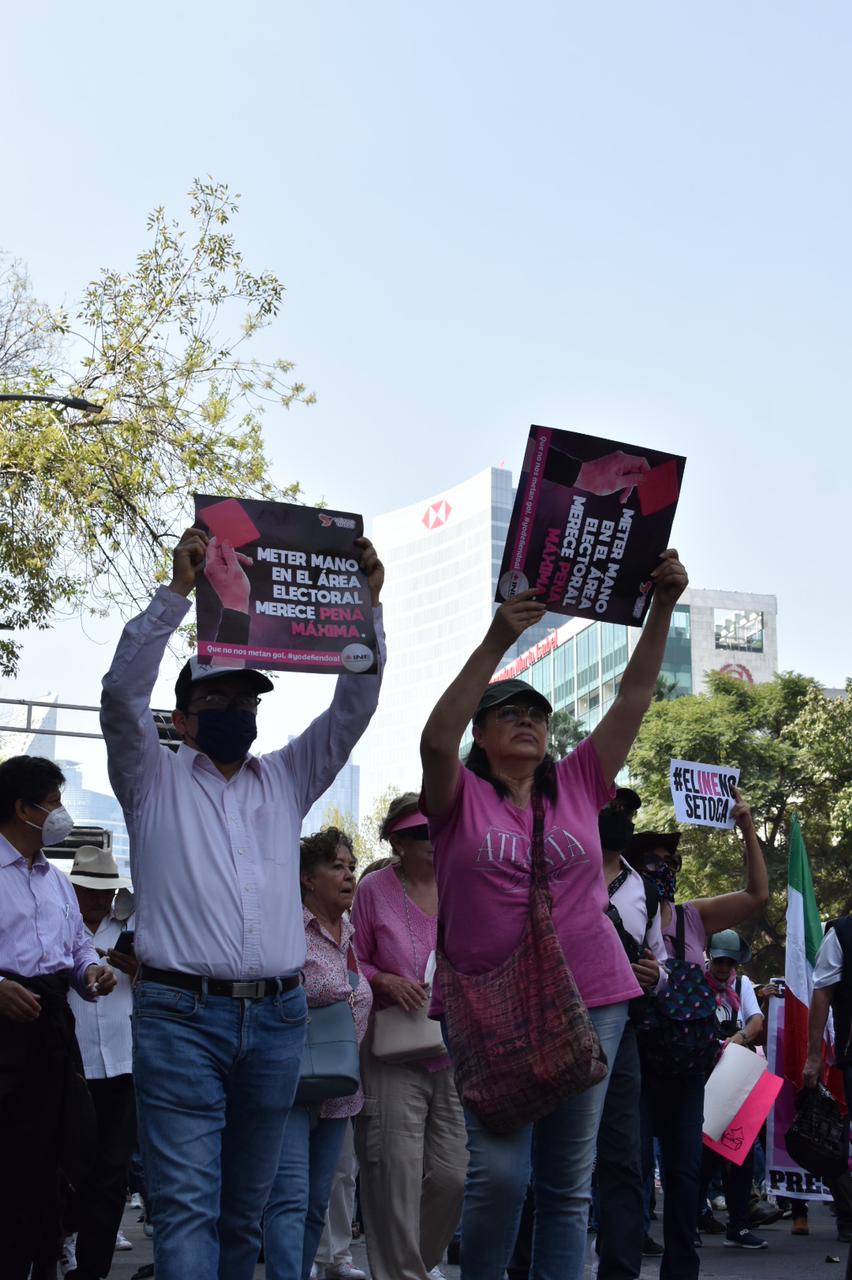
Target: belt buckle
(248, 990)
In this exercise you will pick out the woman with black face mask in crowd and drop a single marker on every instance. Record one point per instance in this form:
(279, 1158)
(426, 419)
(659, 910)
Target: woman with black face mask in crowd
(673, 1101)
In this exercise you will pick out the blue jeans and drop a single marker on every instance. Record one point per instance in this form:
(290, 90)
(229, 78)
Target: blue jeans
(674, 1112)
(215, 1077)
(296, 1209)
(559, 1150)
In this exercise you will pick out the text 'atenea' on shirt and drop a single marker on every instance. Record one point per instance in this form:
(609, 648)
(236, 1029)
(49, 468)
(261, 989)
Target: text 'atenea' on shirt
(215, 862)
(483, 864)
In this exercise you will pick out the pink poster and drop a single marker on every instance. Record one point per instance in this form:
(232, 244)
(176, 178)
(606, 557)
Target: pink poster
(738, 1139)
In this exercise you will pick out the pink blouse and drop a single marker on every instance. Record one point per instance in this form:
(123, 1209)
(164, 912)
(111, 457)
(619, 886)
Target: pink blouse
(384, 942)
(326, 971)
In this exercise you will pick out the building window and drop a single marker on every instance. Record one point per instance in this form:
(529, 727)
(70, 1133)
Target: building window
(736, 629)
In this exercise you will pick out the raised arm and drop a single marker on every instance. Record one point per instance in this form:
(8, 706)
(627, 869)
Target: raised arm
(133, 747)
(729, 909)
(316, 756)
(439, 743)
(614, 736)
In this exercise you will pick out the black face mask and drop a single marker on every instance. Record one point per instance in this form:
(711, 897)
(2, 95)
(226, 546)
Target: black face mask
(225, 736)
(615, 829)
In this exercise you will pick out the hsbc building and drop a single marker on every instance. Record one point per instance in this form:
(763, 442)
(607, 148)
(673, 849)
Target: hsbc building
(441, 556)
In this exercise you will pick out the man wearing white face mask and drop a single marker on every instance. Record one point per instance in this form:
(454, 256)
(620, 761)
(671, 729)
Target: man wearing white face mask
(44, 1105)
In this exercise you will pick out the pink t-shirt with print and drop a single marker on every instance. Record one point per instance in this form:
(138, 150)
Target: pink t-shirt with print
(482, 865)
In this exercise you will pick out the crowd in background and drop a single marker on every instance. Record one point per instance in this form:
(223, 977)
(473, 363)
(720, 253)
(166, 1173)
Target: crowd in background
(161, 1037)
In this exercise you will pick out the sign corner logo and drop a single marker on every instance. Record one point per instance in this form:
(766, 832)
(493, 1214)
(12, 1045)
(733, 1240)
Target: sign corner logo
(437, 514)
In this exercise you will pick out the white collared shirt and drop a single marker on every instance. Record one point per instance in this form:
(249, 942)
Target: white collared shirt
(103, 1026)
(215, 862)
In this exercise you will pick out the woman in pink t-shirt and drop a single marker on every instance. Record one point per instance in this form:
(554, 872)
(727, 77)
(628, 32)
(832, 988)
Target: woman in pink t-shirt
(410, 1136)
(481, 820)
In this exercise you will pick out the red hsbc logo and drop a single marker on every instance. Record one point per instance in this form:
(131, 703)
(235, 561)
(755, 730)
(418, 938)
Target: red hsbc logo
(437, 515)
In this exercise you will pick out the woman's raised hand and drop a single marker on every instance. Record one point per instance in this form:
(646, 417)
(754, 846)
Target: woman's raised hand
(513, 618)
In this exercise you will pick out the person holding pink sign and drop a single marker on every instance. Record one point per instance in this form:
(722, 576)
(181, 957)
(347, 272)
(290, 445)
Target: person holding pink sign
(495, 824)
(219, 1010)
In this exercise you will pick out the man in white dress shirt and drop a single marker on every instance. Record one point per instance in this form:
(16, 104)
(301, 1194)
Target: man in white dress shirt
(104, 1037)
(219, 1010)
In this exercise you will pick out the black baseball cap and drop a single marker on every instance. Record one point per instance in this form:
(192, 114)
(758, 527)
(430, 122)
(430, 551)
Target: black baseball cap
(628, 798)
(509, 691)
(194, 671)
(644, 841)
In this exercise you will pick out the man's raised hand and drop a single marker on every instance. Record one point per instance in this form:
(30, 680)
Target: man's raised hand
(187, 560)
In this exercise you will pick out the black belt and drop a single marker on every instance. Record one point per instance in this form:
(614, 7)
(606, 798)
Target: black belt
(221, 986)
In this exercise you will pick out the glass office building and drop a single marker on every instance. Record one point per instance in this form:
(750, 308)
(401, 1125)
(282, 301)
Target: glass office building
(579, 665)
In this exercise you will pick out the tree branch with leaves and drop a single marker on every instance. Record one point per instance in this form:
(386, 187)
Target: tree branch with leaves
(90, 504)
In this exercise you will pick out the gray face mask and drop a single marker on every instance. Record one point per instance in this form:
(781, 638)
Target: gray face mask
(56, 827)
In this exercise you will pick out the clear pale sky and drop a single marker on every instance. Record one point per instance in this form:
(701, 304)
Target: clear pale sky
(627, 219)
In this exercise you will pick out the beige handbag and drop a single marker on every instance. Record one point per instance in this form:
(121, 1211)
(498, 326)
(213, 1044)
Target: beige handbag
(400, 1036)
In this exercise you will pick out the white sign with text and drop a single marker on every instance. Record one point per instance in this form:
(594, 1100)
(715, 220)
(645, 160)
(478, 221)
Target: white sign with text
(703, 794)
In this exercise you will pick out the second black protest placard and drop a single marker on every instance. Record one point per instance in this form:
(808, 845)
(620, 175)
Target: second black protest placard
(591, 517)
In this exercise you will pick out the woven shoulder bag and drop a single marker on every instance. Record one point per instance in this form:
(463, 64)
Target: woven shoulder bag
(520, 1037)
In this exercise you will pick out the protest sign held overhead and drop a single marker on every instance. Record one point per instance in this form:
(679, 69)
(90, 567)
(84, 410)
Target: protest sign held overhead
(703, 794)
(590, 520)
(282, 588)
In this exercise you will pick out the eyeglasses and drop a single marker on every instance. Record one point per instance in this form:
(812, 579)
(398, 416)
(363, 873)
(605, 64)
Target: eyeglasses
(221, 702)
(511, 713)
(415, 833)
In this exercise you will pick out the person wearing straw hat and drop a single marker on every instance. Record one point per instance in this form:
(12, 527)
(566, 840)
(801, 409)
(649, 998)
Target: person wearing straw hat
(103, 1034)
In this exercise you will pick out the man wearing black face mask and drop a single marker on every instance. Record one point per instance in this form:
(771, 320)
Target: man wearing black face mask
(45, 1112)
(219, 1012)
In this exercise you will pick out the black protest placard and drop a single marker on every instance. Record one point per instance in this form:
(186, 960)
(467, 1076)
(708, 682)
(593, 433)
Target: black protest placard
(281, 588)
(590, 519)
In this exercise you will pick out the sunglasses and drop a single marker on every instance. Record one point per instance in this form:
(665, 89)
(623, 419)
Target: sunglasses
(511, 713)
(415, 833)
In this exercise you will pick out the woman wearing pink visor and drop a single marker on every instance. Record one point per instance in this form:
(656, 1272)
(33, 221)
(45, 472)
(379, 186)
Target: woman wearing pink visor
(410, 1136)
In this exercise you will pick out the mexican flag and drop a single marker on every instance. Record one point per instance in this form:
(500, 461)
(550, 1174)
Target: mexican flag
(804, 935)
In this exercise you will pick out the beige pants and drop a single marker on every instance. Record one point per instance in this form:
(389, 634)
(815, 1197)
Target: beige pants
(410, 1139)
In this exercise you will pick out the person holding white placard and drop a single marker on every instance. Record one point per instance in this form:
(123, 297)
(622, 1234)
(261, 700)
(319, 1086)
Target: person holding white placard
(672, 1108)
(740, 1022)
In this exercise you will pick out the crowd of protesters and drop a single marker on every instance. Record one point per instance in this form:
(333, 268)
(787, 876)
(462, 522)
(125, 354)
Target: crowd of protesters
(167, 1030)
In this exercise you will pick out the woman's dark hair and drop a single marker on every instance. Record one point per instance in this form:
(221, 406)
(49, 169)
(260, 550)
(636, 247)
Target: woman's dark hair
(399, 807)
(30, 778)
(321, 848)
(544, 778)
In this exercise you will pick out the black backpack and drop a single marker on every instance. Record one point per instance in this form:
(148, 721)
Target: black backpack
(678, 1030)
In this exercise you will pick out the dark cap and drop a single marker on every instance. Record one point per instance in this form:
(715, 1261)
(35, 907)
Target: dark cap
(644, 841)
(194, 671)
(628, 799)
(728, 945)
(507, 691)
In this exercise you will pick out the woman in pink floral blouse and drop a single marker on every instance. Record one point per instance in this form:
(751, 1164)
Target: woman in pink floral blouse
(295, 1212)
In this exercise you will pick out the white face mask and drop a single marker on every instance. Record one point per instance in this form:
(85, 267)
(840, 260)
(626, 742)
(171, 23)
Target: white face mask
(57, 825)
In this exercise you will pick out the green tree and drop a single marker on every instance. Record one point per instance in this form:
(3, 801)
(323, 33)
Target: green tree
(371, 844)
(565, 734)
(90, 504)
(334, 817)
(791, 743)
